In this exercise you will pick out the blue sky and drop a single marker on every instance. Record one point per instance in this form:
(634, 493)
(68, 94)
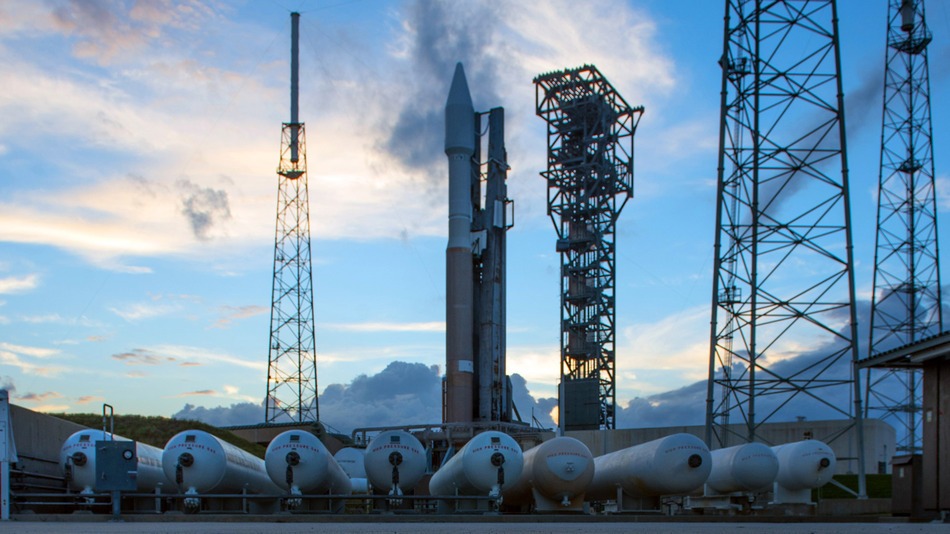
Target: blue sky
(138, 150)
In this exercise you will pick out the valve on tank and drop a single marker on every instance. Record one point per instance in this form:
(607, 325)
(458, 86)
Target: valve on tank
(293, 460)
(498, 460)
(395, 460)
(186, 459)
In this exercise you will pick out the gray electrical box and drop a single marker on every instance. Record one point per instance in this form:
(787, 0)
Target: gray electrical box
(116, 466)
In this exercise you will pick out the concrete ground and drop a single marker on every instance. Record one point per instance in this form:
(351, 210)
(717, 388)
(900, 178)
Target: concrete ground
(381, 526)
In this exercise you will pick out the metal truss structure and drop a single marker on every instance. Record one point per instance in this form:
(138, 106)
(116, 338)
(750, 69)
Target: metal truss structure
(590, 179)
(292, 361)
(292, 364)
(906, 305)
(492, 217)
(783, 335)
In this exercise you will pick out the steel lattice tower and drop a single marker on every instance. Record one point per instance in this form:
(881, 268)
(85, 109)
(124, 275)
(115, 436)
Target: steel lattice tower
(292, 362)
(590, 179)
(783, 329)
(906, 303)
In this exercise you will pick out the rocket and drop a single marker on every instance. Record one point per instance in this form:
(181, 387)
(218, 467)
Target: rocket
(459, 294)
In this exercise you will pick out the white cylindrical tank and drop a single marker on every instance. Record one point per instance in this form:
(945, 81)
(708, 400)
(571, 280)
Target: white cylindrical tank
(298, 462)
(395, 453)
(77, 457)
(804, 464)
(477, 467)
(201, 463)
(747, 467)
(674, 465)
(559, 471)
(351, 461)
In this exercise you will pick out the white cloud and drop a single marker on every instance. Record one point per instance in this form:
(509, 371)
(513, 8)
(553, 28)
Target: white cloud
(18, 284)
(176, 115)
(146, 310)
(539, 365)
(234, 393)
(662, 355)
(204, 356)
(432, 326)
(230, 314)
(33, 352)
(13, 360)
(942, 190)
(51, 408)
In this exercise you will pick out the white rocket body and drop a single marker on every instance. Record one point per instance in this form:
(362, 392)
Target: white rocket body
(459, 284)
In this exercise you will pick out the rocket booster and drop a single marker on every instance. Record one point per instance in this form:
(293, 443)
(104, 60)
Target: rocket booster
(459, 301)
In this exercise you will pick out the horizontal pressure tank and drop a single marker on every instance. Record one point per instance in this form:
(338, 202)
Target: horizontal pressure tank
(674, 465)
(351, 460)
(395, 454)
(77, 457)
(804, 464)
(556, 474)
(747, 467)
(297, 461)
(201, 463)
(478, 466)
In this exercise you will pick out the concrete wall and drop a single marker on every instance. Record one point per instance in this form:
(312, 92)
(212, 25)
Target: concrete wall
(39, 438)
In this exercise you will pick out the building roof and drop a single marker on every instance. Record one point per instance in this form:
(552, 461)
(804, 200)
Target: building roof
(912, 355)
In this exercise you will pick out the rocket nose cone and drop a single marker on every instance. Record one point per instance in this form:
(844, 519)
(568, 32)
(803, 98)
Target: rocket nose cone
(459, 115)
(459, 94)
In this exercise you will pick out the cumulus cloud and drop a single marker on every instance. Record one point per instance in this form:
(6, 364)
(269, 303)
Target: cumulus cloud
(401, 394)
(242, 413)
(203, 207)
(536, 412)
(156, 109)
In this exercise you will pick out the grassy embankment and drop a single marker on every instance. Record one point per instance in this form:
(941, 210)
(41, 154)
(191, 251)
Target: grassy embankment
(156, 431)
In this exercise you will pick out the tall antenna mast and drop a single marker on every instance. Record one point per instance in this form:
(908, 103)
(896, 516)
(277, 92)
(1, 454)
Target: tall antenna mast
(292, 361)
(906, 305)
(783, 336)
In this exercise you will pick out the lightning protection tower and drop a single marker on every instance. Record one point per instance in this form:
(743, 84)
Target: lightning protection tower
(590, 179)
(906, 303)
(783, 329)
(292, 361)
